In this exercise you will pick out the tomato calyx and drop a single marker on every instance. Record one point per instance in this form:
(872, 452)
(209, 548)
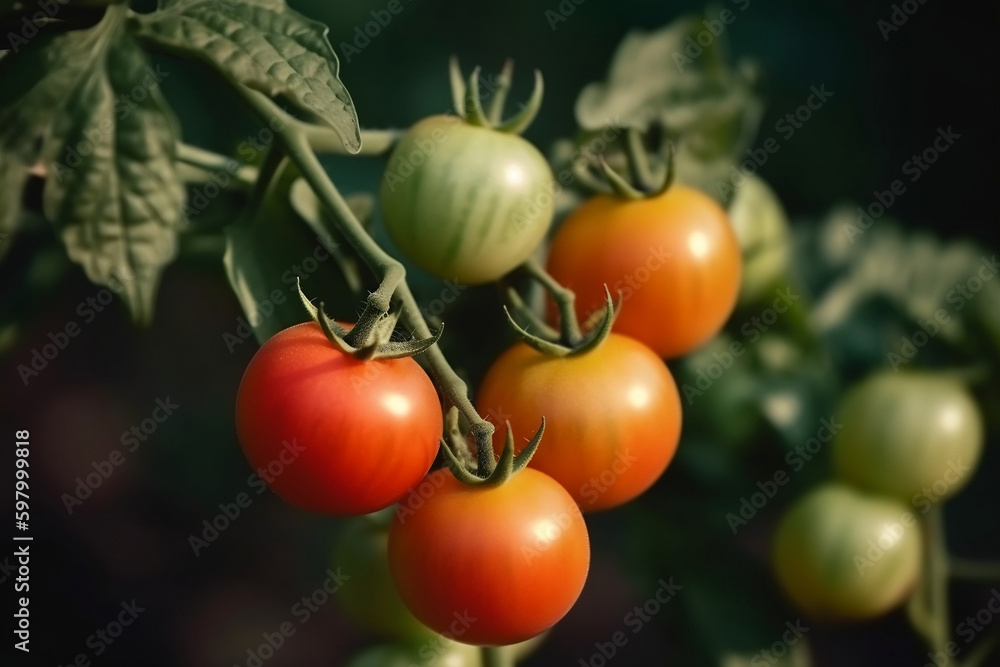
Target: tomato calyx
(643, 182)
(469, 106)
(459, 459)
(376, 328)
(569, 340)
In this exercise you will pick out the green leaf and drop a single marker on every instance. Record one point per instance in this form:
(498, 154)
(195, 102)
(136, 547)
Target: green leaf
(645, 77)
(13, 176)
(34, 85)
(267, 249)
(266, 46)
(108, 142)
(706, 109)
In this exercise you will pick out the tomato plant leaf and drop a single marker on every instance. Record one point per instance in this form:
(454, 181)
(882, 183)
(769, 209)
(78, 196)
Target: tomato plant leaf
(34, 84)
(87, 105)
(267, 250)
(266, 46)
(657, 79)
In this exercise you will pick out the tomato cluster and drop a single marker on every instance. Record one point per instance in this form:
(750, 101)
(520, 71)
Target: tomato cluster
(493, 556)
(852, 549)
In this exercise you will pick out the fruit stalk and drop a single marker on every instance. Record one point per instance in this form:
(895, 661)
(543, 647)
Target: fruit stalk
(393, 276)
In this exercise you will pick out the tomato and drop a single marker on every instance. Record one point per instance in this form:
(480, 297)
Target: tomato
(840, 554)
(613, 416)
(761, 226)
(673, 258)
(330, 433)
(915, 436)
(464, 202)
(371, 599)
(489, 565)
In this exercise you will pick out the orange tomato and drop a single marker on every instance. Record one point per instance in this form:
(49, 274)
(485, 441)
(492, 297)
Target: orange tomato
(674, 259)
(613, 416)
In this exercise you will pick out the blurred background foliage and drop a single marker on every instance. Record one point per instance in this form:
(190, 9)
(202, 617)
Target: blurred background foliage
(859, 296)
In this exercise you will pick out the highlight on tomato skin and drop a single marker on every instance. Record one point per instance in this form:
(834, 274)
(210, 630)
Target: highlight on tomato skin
(330, 433)
(613, 416)
(673, 259)
(489, 565)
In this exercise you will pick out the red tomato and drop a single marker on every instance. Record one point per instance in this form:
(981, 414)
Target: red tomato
(674, 258)
(333, 434)
(613, 416)
(489, 565)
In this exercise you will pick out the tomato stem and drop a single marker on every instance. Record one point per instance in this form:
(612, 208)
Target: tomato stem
(296, 143)
(638, 160)
(929, 606)
(974, 570)
(565, 299)
(494, 656)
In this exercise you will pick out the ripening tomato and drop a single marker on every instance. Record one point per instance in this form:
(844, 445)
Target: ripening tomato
(840, 554)
(330, 433)
(466, 203)
(489, 565)
(613, 416)
(371, 600)
(914, 436)
(673, 258)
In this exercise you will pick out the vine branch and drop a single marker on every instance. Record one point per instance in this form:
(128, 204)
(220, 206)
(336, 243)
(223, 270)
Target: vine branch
(295, 136)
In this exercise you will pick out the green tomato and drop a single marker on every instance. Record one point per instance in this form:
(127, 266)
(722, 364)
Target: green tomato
(464, 202)
(761, 226)
(370, 598)
(840, 554)
(914, 436)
